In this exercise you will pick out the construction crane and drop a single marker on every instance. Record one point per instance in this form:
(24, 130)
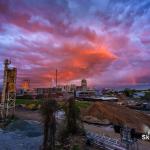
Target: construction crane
(7, 103)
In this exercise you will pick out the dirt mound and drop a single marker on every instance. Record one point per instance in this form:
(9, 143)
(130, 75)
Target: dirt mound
(119, 115)
(94, 120)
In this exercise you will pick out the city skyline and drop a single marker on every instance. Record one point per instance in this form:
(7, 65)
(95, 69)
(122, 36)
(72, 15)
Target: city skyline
(106, 42)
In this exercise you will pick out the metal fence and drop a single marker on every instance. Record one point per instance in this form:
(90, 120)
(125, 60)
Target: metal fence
(104, 141)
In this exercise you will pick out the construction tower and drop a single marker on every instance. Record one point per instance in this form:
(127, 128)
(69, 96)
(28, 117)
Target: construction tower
(7, 103)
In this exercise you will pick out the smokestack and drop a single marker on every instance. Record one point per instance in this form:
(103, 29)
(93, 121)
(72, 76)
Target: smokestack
(56, 77)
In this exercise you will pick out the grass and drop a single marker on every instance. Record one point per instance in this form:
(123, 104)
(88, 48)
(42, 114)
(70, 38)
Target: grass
(27, 101)
(80, 104)
(83, 104)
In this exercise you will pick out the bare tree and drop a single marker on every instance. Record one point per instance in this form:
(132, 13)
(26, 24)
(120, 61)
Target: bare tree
(72, 115)
(49, 108)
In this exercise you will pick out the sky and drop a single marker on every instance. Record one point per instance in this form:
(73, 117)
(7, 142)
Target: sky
(106, 42)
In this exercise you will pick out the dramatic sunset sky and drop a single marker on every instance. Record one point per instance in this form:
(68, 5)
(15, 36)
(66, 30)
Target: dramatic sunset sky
(105, 41)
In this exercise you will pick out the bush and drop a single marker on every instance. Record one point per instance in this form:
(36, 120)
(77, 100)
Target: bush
(147, 96)
(32, 106)
(129, 92)
(76, 147)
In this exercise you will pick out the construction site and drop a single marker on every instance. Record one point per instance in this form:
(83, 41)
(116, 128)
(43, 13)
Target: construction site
(107, 124)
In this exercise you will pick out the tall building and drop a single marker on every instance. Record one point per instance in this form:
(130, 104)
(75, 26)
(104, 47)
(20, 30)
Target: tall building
(84, 84)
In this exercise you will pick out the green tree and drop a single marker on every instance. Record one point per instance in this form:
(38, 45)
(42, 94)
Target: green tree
(147, 96)
(49, 108)
(129, 92)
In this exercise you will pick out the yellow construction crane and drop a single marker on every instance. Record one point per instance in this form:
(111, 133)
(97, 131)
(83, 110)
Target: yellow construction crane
(7, 104)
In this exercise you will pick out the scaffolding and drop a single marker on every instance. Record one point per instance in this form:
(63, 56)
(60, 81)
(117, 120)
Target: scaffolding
(7, 103)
